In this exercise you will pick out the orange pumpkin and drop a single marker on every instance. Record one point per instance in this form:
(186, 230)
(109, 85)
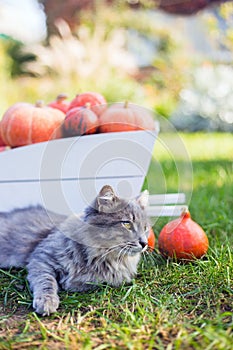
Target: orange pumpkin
(151, 239)
(79, 121)
(60, 103)
(183, 239)
(2, 143)
(126, 117)
(3, 146)
(95, 100)
(24, 123)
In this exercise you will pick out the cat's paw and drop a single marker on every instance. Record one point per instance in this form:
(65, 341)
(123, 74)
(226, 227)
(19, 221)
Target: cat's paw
(46, 304)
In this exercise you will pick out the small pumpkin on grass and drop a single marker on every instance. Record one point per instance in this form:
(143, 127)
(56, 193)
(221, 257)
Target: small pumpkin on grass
(79, 121)
(151, 239)
(183, 239)
(25, 123)
(126, 117)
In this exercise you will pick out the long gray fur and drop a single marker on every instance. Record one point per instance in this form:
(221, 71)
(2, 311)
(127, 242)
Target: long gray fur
(75, 253)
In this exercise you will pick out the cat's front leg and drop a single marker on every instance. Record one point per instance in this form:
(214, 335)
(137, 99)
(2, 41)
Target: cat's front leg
(43, 283)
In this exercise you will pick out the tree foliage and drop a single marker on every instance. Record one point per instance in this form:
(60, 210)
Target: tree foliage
(70, 10)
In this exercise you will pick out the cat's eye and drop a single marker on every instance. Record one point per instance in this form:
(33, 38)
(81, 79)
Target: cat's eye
(127, 224)
(146, 228)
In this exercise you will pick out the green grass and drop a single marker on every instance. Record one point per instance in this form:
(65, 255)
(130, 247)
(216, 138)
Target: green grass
(169, 305)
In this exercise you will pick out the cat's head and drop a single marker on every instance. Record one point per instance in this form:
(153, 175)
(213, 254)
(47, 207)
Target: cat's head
(117, 223)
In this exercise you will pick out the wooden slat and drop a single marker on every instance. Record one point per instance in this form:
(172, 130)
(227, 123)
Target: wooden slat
(100, 155)
(168, 198)
(65, 175)
(165, 210)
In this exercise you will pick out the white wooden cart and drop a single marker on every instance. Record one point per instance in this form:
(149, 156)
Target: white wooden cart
(65, 175)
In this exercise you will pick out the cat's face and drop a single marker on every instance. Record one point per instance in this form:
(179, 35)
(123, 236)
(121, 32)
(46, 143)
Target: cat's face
(118, 224)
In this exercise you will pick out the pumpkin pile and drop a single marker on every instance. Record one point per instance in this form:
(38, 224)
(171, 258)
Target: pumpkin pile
(88, 113)
(24, 123)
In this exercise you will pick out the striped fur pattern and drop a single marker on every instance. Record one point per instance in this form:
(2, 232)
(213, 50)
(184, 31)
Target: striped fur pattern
(75, 253)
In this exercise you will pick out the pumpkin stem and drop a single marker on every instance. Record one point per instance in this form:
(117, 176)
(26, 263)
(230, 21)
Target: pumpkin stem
(126, 104)
(61, 97)
(185, 214)
(39, 103)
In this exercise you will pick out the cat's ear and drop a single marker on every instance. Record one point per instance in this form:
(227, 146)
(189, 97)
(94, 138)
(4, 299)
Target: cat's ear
(143, 199)
(106, 199)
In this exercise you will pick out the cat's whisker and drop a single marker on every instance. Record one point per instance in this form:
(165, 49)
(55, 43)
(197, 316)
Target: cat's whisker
(109, 250)
(146, 256)
(124, 251)
(103, 256)
(127, 249)
(149, 257)
(120, 255)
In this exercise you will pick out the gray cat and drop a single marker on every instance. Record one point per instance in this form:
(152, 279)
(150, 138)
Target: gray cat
(75, 253)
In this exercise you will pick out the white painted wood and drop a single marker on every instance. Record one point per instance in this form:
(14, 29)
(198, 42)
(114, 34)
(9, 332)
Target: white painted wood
(165, 210)
(168, 198)
(160, 204)
(65, 175)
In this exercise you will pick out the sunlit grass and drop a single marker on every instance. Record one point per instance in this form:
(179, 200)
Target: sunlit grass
(169, 305)
(195, 146)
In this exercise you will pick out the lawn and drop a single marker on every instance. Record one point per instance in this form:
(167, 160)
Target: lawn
(169, 305)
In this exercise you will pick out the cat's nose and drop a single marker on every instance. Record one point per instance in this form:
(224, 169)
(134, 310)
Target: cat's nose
(143, 242)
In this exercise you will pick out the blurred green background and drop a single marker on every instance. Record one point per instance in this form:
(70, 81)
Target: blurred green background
(176, 60)
(179, 66)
